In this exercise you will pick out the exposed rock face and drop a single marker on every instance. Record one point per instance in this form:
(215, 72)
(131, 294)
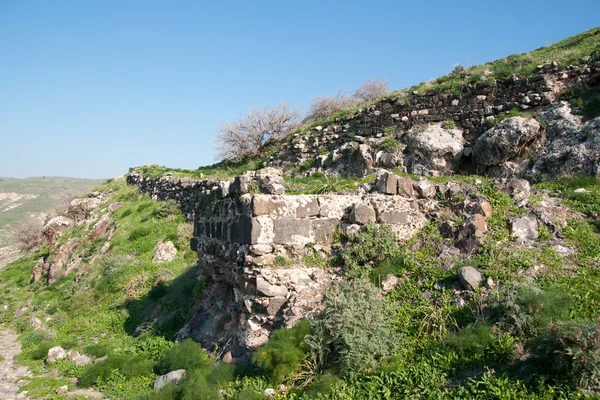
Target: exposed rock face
(172, 377)
(504, 141)
(54, 229)
(570, 154)
(164, 252)
(80, 209)
(437, 149)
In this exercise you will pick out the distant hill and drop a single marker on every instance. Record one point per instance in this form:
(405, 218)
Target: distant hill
(21, 199)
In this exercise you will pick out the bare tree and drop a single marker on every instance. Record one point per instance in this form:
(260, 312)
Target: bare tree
(28, 235)
(247, 136)
(371, 90)
(323, 107)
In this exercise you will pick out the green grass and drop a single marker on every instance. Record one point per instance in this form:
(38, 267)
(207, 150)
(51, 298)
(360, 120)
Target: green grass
(221, 170)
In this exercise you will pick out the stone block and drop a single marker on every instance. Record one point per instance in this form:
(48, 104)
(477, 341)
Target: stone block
(387, 183)
(323, 228)
(291, 231)
(362, 213)
(394, 217)
(405, 187)
(308, 207)
(264, 204)
(269, 290)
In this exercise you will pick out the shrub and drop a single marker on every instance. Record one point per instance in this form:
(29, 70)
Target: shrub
(354, 330)
(28, 235)
(285, 351)
(449, 125)
(187, 355)
(390, 144)
(323, 386)
(571, 348)
(323, 107)
(128, 366)
(371, 90)
(96, 350)
(525, 309)
(372, 245)
(247, 136)
(139, 233)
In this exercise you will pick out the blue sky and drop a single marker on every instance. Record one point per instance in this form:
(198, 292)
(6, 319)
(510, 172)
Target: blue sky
(91, 88)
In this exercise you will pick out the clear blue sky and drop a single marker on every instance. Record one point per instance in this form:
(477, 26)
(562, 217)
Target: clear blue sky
(90, 88)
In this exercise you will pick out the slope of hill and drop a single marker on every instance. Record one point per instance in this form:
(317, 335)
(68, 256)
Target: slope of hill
(21, 199)
(361, 258)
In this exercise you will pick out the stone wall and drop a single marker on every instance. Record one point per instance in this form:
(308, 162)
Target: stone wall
(352, 143)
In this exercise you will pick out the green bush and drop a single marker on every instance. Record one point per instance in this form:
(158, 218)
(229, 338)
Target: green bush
(128, 366)
(323, 386)
(354, 330)
(285, 351)
(97, 350)
(471, 340)
(390, 144)
(187, 355)
(372, 245)
(41, 351)
(449, 125)
(571, 349)
(525, 309)
(139, 233)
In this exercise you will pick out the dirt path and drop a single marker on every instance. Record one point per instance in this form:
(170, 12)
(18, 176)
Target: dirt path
(10, 374)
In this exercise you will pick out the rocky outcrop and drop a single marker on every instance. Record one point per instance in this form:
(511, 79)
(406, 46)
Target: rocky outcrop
(435, 150)
(54, 228)
(504, 141)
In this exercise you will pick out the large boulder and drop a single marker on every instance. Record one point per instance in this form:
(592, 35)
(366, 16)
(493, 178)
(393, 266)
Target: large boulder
(55, 228)
(504, 141)
(560, 122)
(436, 148)
(573, 154)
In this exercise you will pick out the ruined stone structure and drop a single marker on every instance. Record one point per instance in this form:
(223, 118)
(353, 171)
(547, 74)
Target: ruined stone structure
(354, 144)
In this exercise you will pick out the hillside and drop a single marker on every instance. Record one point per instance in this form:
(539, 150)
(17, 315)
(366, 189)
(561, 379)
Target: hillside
(21, 199)
(441, 242)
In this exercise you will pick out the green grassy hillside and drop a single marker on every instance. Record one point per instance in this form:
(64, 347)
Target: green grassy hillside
(21, 199)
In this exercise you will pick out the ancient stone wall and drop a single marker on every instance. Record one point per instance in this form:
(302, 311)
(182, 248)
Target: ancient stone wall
(354, 140)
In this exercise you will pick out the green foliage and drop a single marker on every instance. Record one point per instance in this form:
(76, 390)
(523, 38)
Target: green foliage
(523, 309)
(372, 245)
(319, 183)
(587, 202)
(449, 125)
(128, 366)
(570, 349)
(187, 355)
(308, 164)
(588, 99)
(513, 112)
(354, 330)
(390, 144)
(285, 351)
